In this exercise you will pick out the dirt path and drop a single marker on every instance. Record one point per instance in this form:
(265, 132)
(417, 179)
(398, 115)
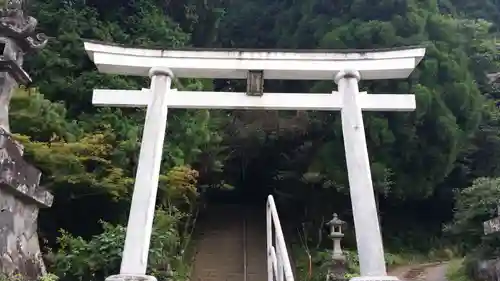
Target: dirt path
(437, 273)
(421, 272)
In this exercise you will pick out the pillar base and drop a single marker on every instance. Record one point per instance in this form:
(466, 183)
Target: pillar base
(375, 278)
(130, 277)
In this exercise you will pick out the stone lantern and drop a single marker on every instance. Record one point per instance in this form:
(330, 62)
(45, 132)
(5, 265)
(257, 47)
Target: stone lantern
(337, 270)
(17, 38)
(21, 195)
(11, 60)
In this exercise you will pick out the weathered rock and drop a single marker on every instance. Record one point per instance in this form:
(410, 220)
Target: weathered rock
(487, 270)
(20, 199)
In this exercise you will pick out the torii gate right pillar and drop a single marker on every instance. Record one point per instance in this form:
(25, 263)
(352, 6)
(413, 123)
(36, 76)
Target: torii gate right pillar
(366, 224)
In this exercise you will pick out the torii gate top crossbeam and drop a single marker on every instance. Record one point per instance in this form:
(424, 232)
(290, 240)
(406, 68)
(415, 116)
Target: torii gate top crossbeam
(235, 64)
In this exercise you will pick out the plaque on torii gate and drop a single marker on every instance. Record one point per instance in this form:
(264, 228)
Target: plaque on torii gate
(346, 68)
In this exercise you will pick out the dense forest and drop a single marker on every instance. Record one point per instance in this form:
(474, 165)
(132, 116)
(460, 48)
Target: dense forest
(434, 170)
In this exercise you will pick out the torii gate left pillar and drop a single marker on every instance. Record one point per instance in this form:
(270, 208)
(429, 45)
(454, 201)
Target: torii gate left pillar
(135, 254)
(278, 65)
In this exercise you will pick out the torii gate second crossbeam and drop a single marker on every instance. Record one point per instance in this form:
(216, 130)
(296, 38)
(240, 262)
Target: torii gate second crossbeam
(346, 68)
(240, 100)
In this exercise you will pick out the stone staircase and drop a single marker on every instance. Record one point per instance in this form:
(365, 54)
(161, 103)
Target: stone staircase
(256, 244)
(231, 244)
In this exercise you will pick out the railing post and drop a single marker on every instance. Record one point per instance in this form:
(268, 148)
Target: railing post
(269, 229)
(278, 258)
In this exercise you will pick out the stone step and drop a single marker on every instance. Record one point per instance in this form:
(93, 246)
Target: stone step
(223, 234)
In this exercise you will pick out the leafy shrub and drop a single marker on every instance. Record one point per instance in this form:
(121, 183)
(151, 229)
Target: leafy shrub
(18, 277)
(321, 260)
(78, 259)
(474, 205)
(456, 271)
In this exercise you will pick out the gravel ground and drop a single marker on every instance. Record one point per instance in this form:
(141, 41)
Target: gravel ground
(421, 272)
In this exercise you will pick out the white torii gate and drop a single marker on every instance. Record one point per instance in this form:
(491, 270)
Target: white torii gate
(346, 68)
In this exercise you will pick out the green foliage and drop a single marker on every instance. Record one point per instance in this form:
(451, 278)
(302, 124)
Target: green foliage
(18, 277)
(78, 259)
(63, 71)
(456, 271)
(49, 277)
(80, 163)
(315, 266)
(77, 163)
(88, 157)
(442, 105)
(67, 156)
(402, 146)
(474, 205)
(485, 149)
(445, 144)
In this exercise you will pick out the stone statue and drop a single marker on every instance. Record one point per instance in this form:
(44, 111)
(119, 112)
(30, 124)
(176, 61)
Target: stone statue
(20, 193)
(17, 37)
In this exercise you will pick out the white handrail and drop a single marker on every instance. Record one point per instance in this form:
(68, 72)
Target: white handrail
(278, 262)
